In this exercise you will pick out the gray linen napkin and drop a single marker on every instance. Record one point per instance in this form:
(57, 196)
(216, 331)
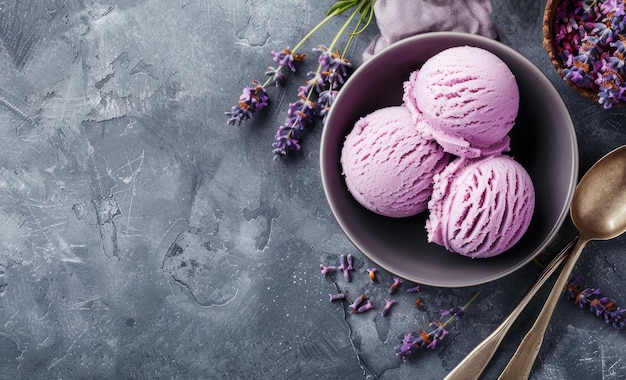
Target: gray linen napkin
(398, 19)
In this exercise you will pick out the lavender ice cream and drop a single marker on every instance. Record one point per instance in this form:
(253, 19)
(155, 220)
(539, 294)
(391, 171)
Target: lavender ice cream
(481, 207)
(467, 98)
(389, 165)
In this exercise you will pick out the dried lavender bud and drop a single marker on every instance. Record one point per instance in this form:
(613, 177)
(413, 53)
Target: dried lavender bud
(602, 306)
(250, 102)
(396, 281)
(343, 267)
(455, 312)
(342, 262)
(438, 334)
(413, 342)
(368, 306)
(388, 303)
(336, 297)
(326, 269)
(354, 306)
(287, 58)
(414, 289)
(350, 267)
(346, 275)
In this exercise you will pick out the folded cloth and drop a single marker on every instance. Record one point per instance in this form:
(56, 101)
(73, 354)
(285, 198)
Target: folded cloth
(398, 19)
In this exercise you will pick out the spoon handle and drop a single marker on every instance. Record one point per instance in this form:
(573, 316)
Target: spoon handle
(476, 361)
(522, 361)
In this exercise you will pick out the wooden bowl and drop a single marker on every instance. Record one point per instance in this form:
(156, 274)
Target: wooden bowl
(548, 44)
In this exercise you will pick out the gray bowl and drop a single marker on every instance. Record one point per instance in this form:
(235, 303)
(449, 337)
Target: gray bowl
(543, 140)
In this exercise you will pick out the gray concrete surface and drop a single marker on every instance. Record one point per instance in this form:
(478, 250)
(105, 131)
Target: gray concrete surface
(143, 238)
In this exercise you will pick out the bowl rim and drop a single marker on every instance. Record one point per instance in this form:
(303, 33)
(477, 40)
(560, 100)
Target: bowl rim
(464, 39)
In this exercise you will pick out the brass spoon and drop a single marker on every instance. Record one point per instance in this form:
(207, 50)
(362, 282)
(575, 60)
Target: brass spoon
(598, 211)
(477, 360)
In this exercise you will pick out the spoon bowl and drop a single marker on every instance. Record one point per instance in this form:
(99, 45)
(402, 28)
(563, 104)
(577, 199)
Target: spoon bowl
(598, 211)
(598, 207)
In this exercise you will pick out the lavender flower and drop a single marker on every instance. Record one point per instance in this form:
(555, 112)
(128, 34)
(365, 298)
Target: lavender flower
(412, 342)
(355, 305)
(368, 306)
(396, 281)
(612, 7)
(250, 102)
(323, 84)
(414, 289)
(600, 305)
(345, 268)
(336, 297)
(350, 261)
(583, 297)
(388, 303)
(333, 67)
(326, 269)
(456, 312)
(438, 334)
(299, 115)
(287, 58)
(325, 101)
(276, 76)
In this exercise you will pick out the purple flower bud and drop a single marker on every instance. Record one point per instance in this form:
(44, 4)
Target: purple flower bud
(343, 267)
(287, 58)
(346, 274)
(582, 298)
(457, 312)
(326, 269)
(414, 289)
(336, 297)
(396, 281)
(368, 306)
(277, 77)
(250, 102)
(354, 306)
(388, 303)
(342, 262)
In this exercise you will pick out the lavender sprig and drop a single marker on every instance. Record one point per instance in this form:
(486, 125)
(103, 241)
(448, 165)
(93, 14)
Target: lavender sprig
(412, 342)
(602, 306)
(314, 98)
(323, 85)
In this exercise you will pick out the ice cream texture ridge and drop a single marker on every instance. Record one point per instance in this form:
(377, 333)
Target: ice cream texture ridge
(442, 151)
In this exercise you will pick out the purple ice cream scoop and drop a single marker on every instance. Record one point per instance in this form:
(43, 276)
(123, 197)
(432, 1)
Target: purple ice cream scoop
(467, 98)
(388, 164)
(480, 207)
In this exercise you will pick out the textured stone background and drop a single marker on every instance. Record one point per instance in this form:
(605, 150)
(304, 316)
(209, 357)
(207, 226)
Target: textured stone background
(142, 237)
